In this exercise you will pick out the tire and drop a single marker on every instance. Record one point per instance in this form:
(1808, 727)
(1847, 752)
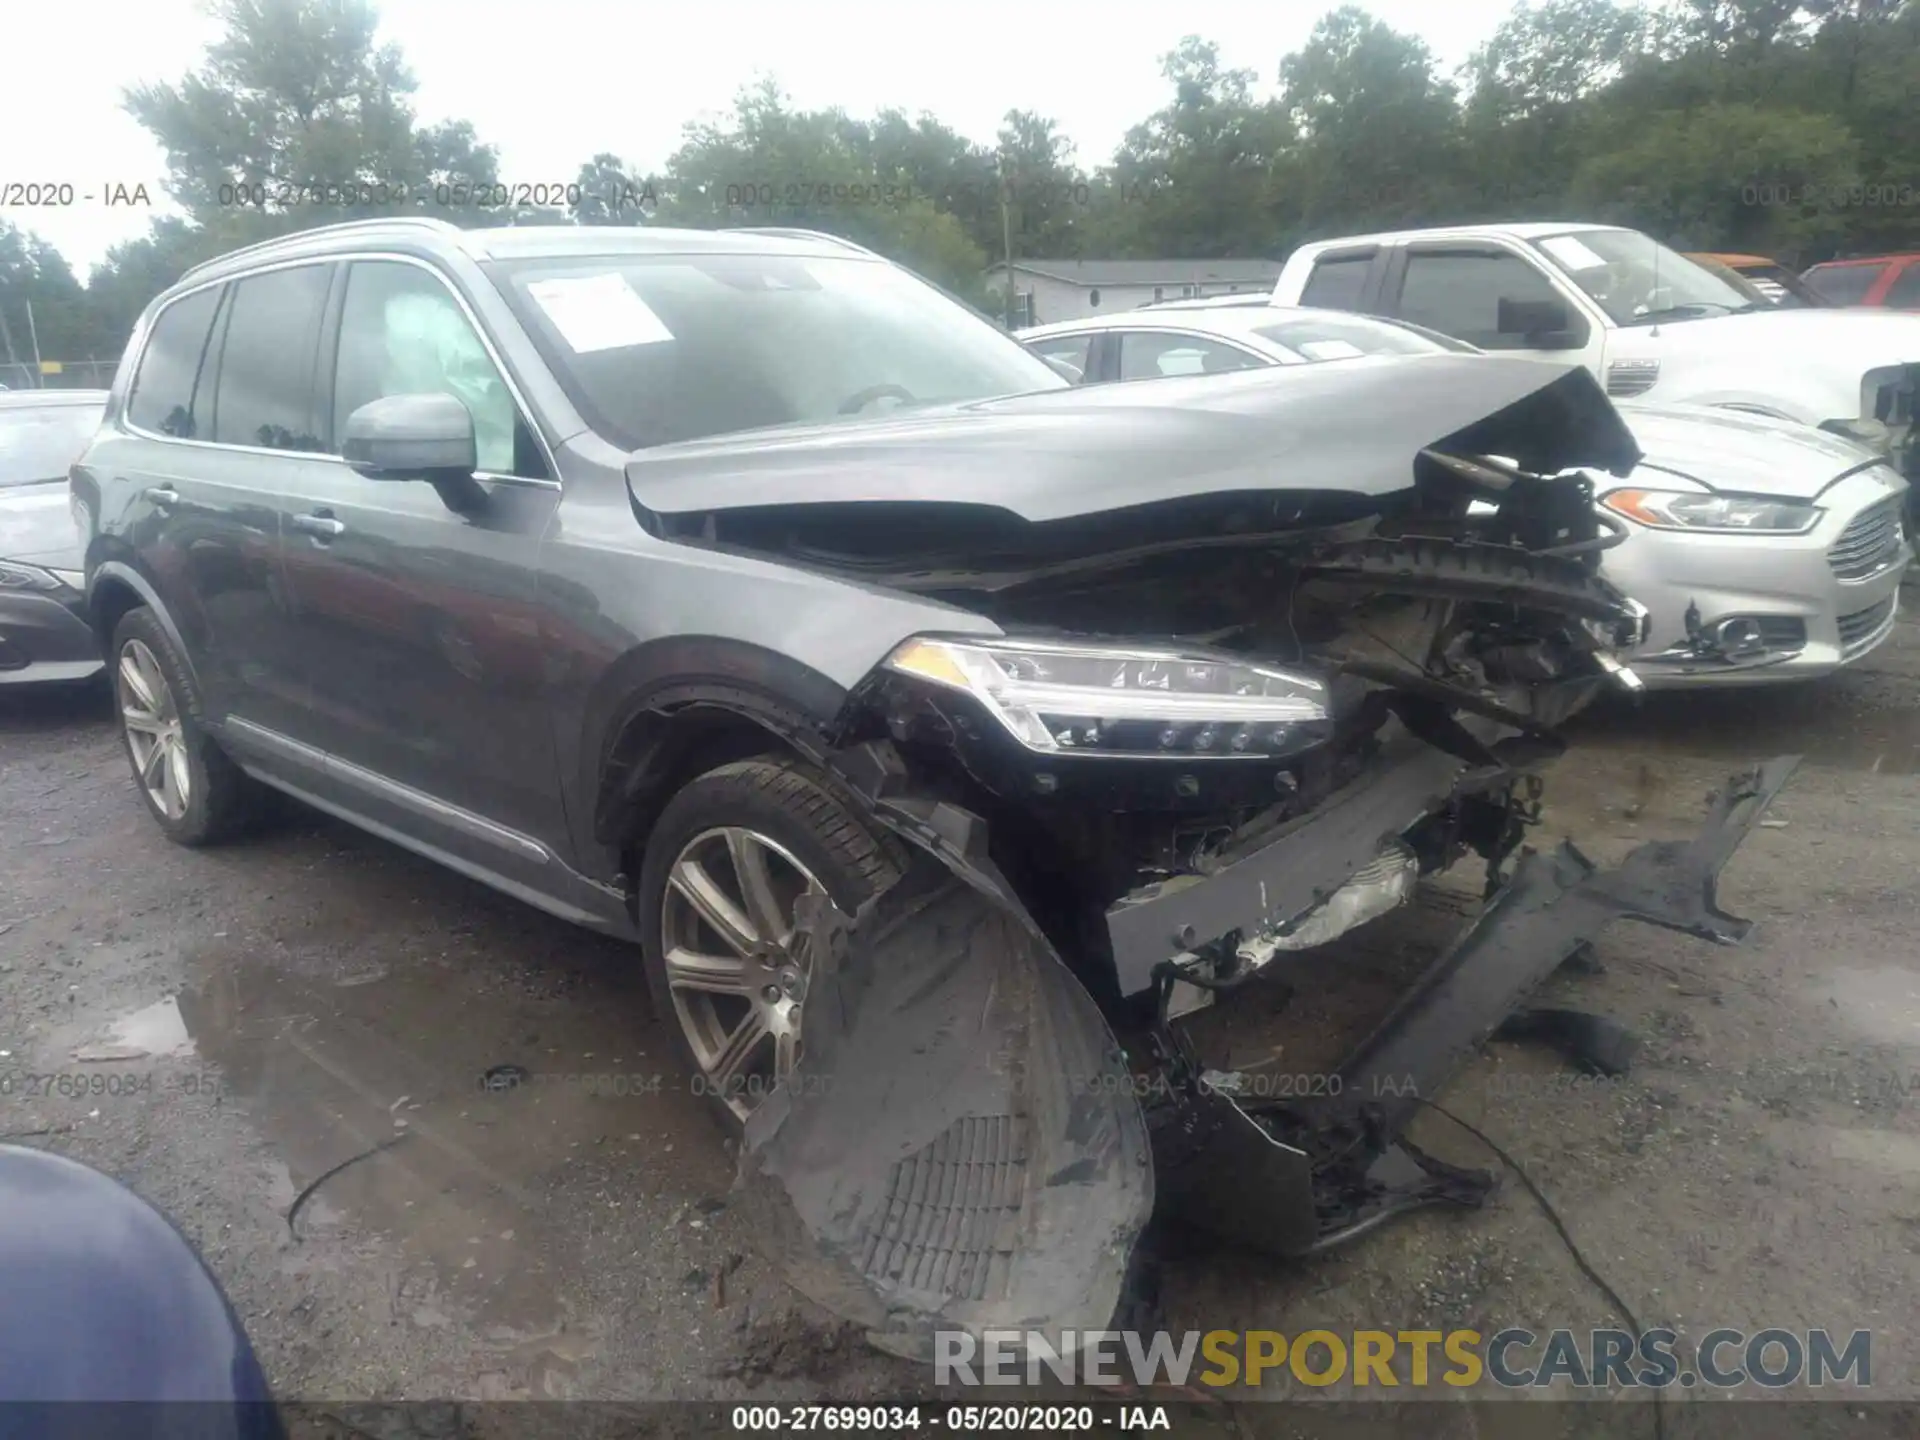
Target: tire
(804, 833)
(221, 801)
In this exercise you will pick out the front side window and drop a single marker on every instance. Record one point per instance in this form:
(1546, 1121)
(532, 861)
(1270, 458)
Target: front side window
(1145, 355)
(1459, 292)
(264, 396)
(40, 442)
(402, 333)
(655, 349)
(1639, 281)
(1844, 284)
(1073, 350)
(168, 398)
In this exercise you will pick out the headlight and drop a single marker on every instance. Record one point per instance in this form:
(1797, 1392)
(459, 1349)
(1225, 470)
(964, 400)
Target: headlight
(1676, 510)
(1876, 435)
(1111, 700)
(15, 576)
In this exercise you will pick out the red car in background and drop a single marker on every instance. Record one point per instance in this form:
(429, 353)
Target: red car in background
(1891, 282)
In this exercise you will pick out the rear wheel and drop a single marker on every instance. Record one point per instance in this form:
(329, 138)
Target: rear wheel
(730, 855)
(195, 793)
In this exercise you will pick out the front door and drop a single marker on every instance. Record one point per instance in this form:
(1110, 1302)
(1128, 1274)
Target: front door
(417, 625)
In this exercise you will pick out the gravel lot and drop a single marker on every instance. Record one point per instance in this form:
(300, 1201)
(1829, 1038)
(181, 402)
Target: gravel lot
(258, 1014)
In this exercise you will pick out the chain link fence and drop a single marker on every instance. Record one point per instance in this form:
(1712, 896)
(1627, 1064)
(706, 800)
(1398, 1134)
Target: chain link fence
(58, 375)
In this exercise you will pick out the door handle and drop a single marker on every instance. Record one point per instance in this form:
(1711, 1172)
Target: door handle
(163, 496)
(320, 525)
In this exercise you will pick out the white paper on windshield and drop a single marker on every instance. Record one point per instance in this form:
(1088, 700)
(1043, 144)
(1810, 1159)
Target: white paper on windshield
(1568, 250)
(597, 312)
(1330, 350)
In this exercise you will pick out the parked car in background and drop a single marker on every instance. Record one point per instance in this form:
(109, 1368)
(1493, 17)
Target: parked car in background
(1642, 318)
(1768, 280)
(44, 634)
(1889, 282)
(920, 717)
(1765, 550)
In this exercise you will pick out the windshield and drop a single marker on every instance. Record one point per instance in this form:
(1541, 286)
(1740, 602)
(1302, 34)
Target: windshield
(41, 442)
(1637, 280)
(1342, 337)
(659, 348)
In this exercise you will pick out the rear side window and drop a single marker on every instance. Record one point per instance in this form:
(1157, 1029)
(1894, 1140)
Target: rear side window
(166, 398)
(265, 391)
(1336, 284)
(1904, 293)
(1844, 284)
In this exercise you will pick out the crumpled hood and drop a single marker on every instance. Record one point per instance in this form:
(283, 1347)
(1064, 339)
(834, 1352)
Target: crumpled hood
(36, 526)
(1353, 428)
(1750, 454)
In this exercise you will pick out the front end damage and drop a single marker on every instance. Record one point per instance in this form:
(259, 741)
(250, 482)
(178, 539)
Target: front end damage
(1218, 730)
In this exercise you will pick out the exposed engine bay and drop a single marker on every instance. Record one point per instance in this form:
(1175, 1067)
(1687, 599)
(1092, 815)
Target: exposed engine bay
(1215, 728)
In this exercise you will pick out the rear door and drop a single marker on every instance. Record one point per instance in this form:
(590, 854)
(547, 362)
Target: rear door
(418, 626)
(205, 490)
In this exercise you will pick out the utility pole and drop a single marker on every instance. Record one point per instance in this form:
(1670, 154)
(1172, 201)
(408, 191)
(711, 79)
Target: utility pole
(6, 338)
(1006, 232)
(39, 376)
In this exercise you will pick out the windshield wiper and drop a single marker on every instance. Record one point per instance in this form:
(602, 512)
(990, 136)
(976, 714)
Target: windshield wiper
(1692, 310)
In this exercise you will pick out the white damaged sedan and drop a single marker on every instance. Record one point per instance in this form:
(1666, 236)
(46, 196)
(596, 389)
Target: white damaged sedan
(1763, 550)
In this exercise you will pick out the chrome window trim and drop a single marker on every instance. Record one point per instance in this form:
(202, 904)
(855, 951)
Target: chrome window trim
(343, 257)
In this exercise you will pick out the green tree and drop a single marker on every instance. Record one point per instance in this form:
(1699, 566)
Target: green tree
(1204, 176)
(1380, 130)
(771, 165)
(40, 297)
(1725, 176)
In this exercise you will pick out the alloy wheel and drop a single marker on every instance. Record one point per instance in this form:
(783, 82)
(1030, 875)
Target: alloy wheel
(151, 718)
(726, 932)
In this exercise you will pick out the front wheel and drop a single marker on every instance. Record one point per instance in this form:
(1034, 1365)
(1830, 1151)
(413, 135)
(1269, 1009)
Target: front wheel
(730, 855)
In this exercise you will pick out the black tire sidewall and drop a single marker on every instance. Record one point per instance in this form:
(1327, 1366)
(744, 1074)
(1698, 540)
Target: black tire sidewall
(727, 796)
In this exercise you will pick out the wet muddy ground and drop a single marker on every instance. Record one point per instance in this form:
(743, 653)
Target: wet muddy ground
(221, 1028)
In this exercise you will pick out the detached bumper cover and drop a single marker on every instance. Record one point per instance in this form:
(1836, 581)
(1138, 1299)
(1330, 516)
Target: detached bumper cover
(1339, 1159)
(961, 1145)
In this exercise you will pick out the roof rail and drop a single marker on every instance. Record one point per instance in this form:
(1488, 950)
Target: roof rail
(422, 222)
(794, 232)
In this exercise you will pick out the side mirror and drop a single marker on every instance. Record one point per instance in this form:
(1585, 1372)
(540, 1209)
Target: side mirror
(1540, 324)
(417, 437)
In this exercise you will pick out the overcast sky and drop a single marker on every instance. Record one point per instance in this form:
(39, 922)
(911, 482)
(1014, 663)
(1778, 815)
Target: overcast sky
(551, 82)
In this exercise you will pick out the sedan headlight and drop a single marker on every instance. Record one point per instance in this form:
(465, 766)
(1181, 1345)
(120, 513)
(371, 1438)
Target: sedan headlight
(15, 576)
(1070, 698)
(1678, 510)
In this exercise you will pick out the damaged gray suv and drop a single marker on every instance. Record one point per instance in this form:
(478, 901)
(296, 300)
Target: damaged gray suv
(937, 731)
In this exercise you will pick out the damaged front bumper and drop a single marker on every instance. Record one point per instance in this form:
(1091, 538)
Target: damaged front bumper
(963, 1144)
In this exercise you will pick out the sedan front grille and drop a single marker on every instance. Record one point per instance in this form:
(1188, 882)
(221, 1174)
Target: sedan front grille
(1863, 627)
(1870, 544)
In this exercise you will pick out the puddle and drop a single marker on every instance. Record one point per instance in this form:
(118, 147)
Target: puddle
(483, 1187)
(1883, 1003)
